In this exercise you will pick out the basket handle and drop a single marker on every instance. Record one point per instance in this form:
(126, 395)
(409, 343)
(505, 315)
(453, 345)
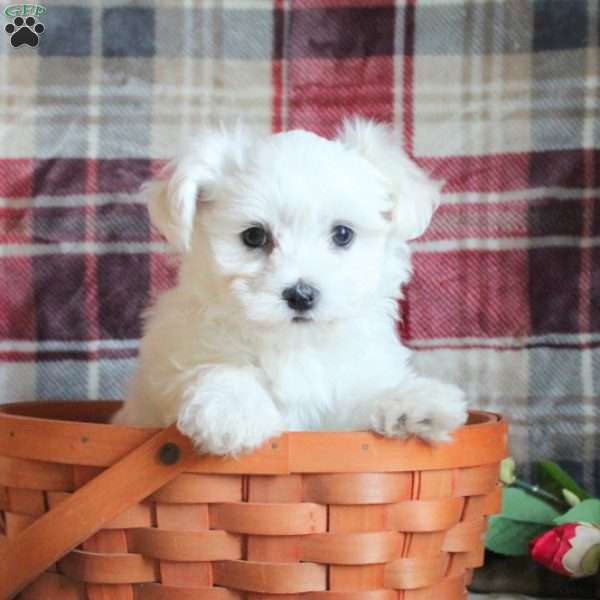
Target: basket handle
(140, 473)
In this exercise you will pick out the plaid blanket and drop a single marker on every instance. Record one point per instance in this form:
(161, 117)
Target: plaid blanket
(498, 98)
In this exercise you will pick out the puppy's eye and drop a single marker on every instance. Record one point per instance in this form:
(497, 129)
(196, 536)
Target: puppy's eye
(342, 235)
(255, 237)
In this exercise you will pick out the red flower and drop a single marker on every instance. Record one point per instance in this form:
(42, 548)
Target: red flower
(572, 549)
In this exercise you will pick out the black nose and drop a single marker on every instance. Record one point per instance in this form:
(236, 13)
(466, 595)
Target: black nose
(301, 296)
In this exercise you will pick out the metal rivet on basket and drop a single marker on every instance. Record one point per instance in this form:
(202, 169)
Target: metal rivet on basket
(169, 453)
(365, 446)
(274, 445)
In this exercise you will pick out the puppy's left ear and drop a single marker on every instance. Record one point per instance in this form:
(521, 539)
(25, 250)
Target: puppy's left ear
(187, 181)
(413, 194)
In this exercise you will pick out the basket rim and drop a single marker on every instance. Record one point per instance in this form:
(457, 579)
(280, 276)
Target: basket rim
(27, 427)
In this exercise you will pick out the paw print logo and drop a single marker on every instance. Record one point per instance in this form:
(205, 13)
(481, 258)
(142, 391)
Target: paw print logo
(24, 31)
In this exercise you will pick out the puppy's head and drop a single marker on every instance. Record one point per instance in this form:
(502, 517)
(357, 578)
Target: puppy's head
(293, 228)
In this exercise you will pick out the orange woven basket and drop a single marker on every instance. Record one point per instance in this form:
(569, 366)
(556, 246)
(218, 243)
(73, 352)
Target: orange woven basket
(103, 512)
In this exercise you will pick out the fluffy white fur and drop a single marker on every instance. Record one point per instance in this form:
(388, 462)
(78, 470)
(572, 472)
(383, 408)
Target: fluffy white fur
(221, 354)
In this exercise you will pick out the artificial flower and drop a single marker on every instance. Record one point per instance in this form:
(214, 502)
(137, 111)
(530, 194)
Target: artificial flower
(572, 549)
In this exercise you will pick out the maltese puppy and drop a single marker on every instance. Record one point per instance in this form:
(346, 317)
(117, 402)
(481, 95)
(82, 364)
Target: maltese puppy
(293, 250)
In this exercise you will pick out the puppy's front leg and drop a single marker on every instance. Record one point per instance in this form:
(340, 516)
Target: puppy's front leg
(426, 408)
(228, 411)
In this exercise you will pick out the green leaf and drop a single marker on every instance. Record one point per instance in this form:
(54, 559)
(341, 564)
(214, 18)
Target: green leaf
(554, 479)
(511, 538)
(587, 511)
(570, 498)
(518, 505)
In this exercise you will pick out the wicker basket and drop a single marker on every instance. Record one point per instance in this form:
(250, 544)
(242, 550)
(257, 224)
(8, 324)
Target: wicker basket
(104, 512)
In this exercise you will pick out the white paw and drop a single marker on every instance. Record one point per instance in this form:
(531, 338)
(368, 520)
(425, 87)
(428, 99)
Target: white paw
(219, 419)
(431, 410)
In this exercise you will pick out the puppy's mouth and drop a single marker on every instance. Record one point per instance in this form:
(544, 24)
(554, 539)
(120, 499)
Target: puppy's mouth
(299, 319)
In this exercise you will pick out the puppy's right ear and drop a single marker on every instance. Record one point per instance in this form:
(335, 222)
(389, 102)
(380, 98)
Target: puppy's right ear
(414, 195)
(186, 181)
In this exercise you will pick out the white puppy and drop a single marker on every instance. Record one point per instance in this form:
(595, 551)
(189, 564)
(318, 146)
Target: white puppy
(293, 253)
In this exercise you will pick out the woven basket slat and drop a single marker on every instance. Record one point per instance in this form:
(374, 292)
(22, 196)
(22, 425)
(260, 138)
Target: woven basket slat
(108, 541)
(138, 515)
(269, 518)
(192, 488)
(429, 489)
(427, 543)
(458, 564)
(363, 454)
(53, 586)
(474, 507)
(26, 502)
(466, 561)
(464, 536)
(433, 485)
(349, 519)
(281, 524)
(185, 546)
(425, 515)
(111, 541)
(461, 563)
(154, 591)
(493, 502)
(362, 595)
(96, 567)
(412, 573)
(84, 473)
(88, 444)
(451, 588)
(270, 578)
(192, 518)
(363, 548)
(16, 523)
(357, 488)
(278, 489)
(35, 475)
(476, 481)
(476, 557)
